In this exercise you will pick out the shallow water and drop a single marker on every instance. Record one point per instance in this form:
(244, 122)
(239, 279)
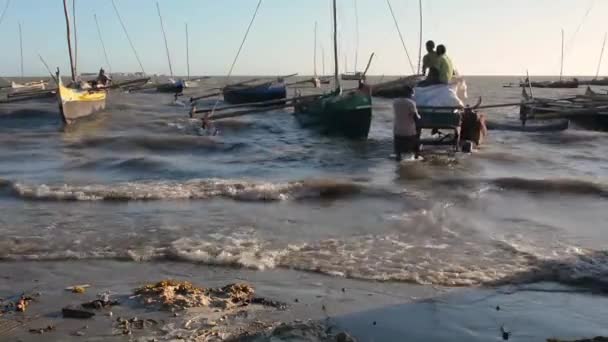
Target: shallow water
(142, 181)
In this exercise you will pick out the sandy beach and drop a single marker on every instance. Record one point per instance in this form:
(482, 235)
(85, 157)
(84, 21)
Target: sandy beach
(316, 307)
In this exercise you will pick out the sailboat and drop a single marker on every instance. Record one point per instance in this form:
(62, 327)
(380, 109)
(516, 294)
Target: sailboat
(337, 113)
(77, 100)
(24, 89)
(395, 88)
(555, 84)
(173, 86)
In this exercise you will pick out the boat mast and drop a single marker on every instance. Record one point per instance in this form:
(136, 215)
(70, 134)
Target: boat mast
(103, 45)
(356, 36)
(67, 24)
(315, 52)
(323, 59)
(187, 53)
(420, 40)
(561, 71)
(336, 64)
(21, 48)
(162, 27)
(75, 39)
(599, 64)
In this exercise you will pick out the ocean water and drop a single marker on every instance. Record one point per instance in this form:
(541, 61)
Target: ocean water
(141, 182)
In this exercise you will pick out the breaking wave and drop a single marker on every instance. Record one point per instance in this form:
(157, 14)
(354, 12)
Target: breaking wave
(366, 257)
(161, 143)
(534, 186)
(190, 190)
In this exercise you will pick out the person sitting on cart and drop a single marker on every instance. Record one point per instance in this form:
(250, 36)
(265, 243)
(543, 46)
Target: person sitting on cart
(429, 62)
(406, 134)
(444, 66)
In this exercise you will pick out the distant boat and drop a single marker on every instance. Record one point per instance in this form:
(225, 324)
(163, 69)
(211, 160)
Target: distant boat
(28, 87)
(596, 82)
(547, 126)
(574, 83)
(76, 100)
(268, 91)
(395, 88)
(346, 114)
(173, 86)
(357, 76)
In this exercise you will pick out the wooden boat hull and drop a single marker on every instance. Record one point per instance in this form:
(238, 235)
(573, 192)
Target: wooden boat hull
(396, 88)
(250, 94)
(555, 85)
(347, 115)
(173, 88)
(597, 122)
(560, 125)
(76, 104)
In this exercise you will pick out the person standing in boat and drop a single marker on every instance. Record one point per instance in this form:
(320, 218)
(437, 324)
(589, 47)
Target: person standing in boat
(444, 66)
(406, 135)
(102, 79)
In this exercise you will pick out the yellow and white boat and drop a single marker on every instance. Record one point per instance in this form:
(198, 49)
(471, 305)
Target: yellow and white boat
(78, 100)
(76, 103)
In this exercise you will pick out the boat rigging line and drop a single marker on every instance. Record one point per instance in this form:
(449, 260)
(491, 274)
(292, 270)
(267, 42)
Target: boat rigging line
(128, 38)
(4, 10)
(103, 45)
(390, 7)
(599, 64)
(315, 52)
(187, 53)
(420, 40)
(238, 53)
(162, 28)
(21, 48)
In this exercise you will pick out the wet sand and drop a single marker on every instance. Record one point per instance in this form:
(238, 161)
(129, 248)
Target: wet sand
(368, 311)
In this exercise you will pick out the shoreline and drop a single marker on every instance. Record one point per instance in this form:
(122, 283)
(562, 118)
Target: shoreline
(368, 311)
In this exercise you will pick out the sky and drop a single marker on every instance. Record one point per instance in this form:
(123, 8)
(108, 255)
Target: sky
(483, 37)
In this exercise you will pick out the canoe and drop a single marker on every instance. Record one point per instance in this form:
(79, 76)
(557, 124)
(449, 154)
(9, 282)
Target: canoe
(353, 77)
(79, 103)
(173, 87)
(516, 126)
(255, 93)
(348, 115)
(554, 85)
(596, 82)
(394, 89)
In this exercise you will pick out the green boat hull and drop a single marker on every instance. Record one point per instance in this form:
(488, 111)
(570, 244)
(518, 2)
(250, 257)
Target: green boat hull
(348, 115)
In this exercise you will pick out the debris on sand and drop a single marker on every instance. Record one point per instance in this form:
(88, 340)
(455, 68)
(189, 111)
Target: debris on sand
(20, 305)
(80, 289)
(180, 295)
(173, 294)
(42, 330)
(102, 302)
(74, 312)
(595, 339)
(298, 331)
(126, 326)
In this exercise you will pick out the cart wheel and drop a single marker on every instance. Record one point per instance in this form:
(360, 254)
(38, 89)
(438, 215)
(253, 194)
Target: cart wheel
(467, 146)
